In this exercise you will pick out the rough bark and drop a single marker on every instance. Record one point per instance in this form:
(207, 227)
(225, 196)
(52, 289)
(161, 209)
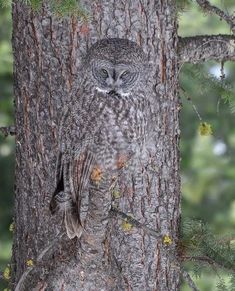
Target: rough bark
(207, 47)
(47, 54)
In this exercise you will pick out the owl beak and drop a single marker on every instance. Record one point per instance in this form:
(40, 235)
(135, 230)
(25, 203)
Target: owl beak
(114, 76)
(113, 82)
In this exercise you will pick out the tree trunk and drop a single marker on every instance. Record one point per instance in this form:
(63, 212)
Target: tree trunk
(47, 54)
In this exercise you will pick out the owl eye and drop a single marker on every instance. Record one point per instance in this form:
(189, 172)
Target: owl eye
(104, 73)
(125, 74)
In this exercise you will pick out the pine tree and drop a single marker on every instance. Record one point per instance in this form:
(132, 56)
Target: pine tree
(49, 40)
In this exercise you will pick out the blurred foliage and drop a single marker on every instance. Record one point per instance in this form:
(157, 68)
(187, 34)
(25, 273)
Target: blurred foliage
(6, 144)
(208, 162)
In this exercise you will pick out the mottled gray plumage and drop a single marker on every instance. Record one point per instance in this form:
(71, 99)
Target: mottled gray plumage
(105, 124)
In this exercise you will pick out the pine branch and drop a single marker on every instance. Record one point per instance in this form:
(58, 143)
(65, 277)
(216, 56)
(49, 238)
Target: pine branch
(206, 47)
(202, 259)
(8, 130)
(207, 82)
(198, 244)
(205, 5)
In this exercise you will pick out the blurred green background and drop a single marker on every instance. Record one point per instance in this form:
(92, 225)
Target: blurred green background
(208, 162)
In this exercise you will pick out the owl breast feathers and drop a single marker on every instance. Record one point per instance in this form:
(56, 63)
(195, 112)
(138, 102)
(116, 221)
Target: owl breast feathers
(106, 124)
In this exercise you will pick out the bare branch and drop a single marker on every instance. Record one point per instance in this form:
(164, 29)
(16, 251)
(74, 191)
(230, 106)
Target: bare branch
(189, 280)
(207, 47)
(213, 9)
(8, 130)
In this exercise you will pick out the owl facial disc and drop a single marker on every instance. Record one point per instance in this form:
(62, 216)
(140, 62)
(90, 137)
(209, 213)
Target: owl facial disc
(118, 78)
(116, 66)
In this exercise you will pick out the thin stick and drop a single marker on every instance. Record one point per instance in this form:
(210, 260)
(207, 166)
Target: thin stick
(136, 223)
(193, 105)
(189, 280)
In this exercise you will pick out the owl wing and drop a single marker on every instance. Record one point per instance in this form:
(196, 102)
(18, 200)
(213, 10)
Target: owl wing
(78, 173)
(73, 169)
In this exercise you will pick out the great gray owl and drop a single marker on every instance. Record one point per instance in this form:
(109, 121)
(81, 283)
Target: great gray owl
(105, 124)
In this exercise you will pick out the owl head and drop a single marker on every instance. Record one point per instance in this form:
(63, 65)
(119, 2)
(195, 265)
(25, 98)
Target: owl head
(115, 65)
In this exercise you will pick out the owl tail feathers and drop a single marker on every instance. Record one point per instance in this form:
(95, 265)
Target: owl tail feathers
(72, 223)
(60, 203)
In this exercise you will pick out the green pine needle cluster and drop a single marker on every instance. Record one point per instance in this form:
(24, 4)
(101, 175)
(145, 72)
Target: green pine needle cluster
(199, 246)
(68, 8)
(5, 3)
(183, 5)
(232, 283)
(60, 8)
(221, 286)
(208, 82)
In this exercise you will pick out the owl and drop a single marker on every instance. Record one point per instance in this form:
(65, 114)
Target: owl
(105, 125)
